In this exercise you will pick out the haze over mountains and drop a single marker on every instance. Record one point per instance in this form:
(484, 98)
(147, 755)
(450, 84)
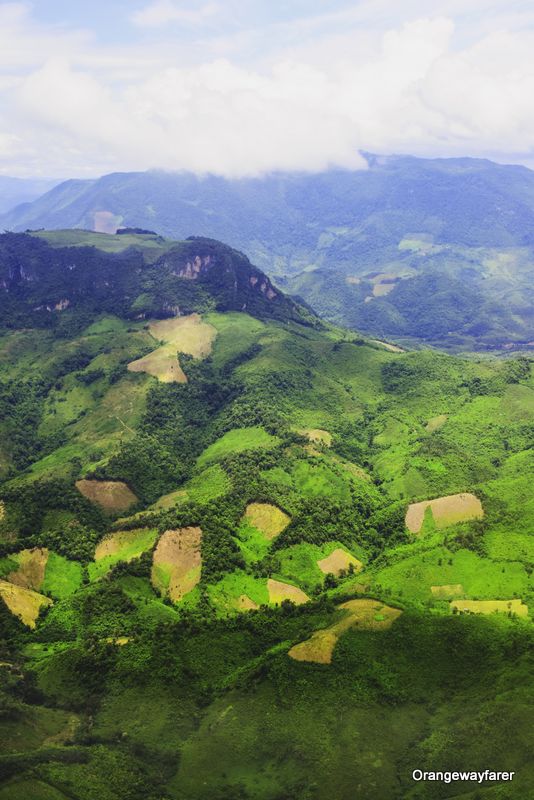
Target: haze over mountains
(438, 251)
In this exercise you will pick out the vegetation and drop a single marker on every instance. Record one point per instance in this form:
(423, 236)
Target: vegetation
(188, 692)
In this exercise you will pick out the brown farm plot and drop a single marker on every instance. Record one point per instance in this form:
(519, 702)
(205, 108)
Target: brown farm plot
(177, 562)
(112, 496)
(278, 592)
(31, 570)
(188, 335)
(268, 519)
(337, 561)
(23, 603)
(445, 511)
(366, 614)
(490, 606)
(435, 423)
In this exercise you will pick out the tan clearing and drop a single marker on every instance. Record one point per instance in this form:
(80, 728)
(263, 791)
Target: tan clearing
(490, 606)
(318, 435)
(445, 510)
(31, 570)
(177, 562)
(119, 641)
(435, 423)
(105, 222)
(244, 603)
(393, 348)
(2, 510)
(23, 603)
(188, 335)
(268, 519)
(447, 590)
(278, 592)
(366, 614)
(110, 495)
(337, 561)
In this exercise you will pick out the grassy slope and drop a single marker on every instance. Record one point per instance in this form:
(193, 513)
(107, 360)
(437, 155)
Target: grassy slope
(247, 721)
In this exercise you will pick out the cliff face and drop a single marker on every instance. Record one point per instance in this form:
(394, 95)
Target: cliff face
(188, 276)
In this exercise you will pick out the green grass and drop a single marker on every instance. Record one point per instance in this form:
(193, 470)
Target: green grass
(236, 441)
(30, 789)
(138, 542)
(314, 477)
(481, 578)
(225, 593)
(298, 563)
(62, 577)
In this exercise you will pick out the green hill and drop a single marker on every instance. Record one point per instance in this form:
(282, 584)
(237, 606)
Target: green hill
(215, 580)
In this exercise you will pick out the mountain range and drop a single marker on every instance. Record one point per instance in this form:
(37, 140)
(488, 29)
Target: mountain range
(434, 252)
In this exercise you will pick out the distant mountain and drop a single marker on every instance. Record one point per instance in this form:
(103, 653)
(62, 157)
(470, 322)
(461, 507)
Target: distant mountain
(435, 251)
(14, 191)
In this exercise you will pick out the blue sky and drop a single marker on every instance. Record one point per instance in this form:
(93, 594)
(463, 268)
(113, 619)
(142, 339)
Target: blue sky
(245, 87)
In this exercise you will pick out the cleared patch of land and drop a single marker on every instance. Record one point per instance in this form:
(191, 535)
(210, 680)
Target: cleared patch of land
(121, 546)
(188, 335)
(338, 561)
(318, 435)
(278, 592)
(435, 423)
(268, 519)
(112, 496)
(31, 568)
(23, 603)
(393, 348)
(366, 614)
(490, 606)
(447, 590)
(177, 562)
(236, 441)
(445, 511)
(244, 603)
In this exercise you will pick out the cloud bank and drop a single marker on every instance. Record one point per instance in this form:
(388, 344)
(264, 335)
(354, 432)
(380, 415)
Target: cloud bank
(299, 94)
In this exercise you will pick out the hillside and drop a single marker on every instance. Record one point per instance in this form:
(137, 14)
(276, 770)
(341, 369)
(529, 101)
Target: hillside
(426, 251)
(245, 554)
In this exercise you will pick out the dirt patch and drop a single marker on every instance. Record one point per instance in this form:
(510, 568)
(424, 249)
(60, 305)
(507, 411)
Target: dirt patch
(177, 562)
(2, 510)
(447, 590)
(105, 222)
(365, 614)
(338, 561)
(31, 571)
(23, 603)
(188, 335)
(268, 519)
(445, 510)
(435, 423)
(278, 592)
(490, 606)
(112, 496)
(318, 435)
(393, 348)
(244, 603)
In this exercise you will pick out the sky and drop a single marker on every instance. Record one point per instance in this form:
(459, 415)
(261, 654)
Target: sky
(247, 87)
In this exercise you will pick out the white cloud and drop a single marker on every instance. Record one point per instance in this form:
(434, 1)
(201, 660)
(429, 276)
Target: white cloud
(429, 86)
(163, 12)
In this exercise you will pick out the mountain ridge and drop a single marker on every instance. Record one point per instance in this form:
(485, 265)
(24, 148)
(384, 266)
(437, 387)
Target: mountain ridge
(362, 248)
